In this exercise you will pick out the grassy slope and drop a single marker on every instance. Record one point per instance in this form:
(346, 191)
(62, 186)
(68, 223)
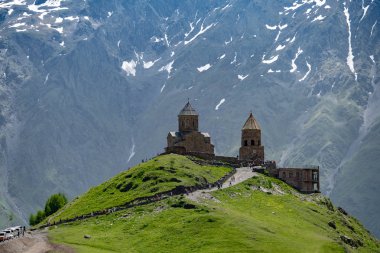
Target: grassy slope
(245, 220)
(160, 174)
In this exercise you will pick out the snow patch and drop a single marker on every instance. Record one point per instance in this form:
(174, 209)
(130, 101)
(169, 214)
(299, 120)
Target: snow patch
(280, 47)
(373, 27)
(271, 27)
(46, 78)
(228, 42)
(109, 14)
(319, 18)
(129, 67)
(204, 68)
(278, 35)
(225, 7)
(271, 60)
(372, 58)
(17, 25)
(149, 64)
(294, 66)
(12, 3)
(162, 88)
(132, 151)
(234, 60)
(242, 77)
(221, 57)
(49, 5)
(350, 57)
(307, 73)
(58, 20)
(201, 31)
(72, 18)
(168, 68)
(220, 103)
(365, 9)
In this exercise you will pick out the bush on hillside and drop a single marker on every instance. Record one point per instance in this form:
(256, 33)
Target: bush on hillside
(52, 205)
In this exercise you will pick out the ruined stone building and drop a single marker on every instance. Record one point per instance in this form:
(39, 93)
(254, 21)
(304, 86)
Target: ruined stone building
(188, 139)
(251, 148)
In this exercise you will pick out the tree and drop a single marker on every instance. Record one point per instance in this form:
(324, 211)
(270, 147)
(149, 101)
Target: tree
(54, 203)
(40, 216)
(32, 220)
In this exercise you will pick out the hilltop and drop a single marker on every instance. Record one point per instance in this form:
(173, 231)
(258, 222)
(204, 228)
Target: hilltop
(253, 213)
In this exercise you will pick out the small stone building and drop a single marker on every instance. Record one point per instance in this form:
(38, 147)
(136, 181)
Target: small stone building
(188, 139)
(251, 148)
(303, 179)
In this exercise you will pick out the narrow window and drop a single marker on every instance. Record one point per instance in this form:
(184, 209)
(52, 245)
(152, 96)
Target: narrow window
(315, 176)
(283, 175)
(291, 174)
(259, 143)
(245, 143)
(298, 175)
(252, 143)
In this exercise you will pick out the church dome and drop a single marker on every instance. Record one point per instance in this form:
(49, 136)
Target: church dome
(188, 110)
(251, 123)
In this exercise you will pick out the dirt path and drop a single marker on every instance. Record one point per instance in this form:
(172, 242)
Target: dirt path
(35, 242)
(241, 175)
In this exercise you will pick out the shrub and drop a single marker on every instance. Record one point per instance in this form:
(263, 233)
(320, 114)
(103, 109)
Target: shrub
(54, 203)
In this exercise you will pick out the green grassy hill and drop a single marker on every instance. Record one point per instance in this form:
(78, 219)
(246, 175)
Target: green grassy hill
(161, 174)
(261, 214)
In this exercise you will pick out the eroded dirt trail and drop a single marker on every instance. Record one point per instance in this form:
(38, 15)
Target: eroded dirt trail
(35, 242)
(241, 175)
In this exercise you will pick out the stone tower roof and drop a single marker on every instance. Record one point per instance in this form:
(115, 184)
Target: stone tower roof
(251, 123)
(188, 110)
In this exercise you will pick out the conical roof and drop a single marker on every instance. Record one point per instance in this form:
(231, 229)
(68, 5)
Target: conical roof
(188, 110)
(251, 123)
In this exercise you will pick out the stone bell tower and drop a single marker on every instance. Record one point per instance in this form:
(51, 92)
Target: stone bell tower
(188, 119)
(251, 148)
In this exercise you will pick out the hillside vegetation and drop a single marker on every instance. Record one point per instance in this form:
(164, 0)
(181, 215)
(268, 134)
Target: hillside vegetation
(261, 214)
(161, 174)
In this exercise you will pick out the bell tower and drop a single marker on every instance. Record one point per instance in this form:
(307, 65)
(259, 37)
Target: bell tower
(187, 119)
(251, 148)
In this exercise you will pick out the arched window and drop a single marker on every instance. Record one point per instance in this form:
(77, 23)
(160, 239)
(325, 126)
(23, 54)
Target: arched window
(245, 143)
(259, 143)
(252, 142)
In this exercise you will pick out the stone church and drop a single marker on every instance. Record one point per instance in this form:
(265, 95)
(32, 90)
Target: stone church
(188, 139)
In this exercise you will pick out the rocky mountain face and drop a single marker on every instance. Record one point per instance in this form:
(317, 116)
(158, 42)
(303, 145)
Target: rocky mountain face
(90, 88)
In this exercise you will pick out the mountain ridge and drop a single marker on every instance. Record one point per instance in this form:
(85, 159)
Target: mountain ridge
(66, 93)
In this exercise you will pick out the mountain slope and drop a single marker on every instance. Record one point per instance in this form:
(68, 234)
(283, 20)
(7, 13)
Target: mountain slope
(161, 174)
(90, 88)
(260, 214)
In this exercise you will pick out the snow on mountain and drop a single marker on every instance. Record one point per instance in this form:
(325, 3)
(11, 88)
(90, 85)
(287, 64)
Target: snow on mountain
(92, 72)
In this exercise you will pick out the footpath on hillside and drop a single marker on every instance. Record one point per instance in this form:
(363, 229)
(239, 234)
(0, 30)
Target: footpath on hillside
(241, 175)
(37, 241)
(33, 242)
